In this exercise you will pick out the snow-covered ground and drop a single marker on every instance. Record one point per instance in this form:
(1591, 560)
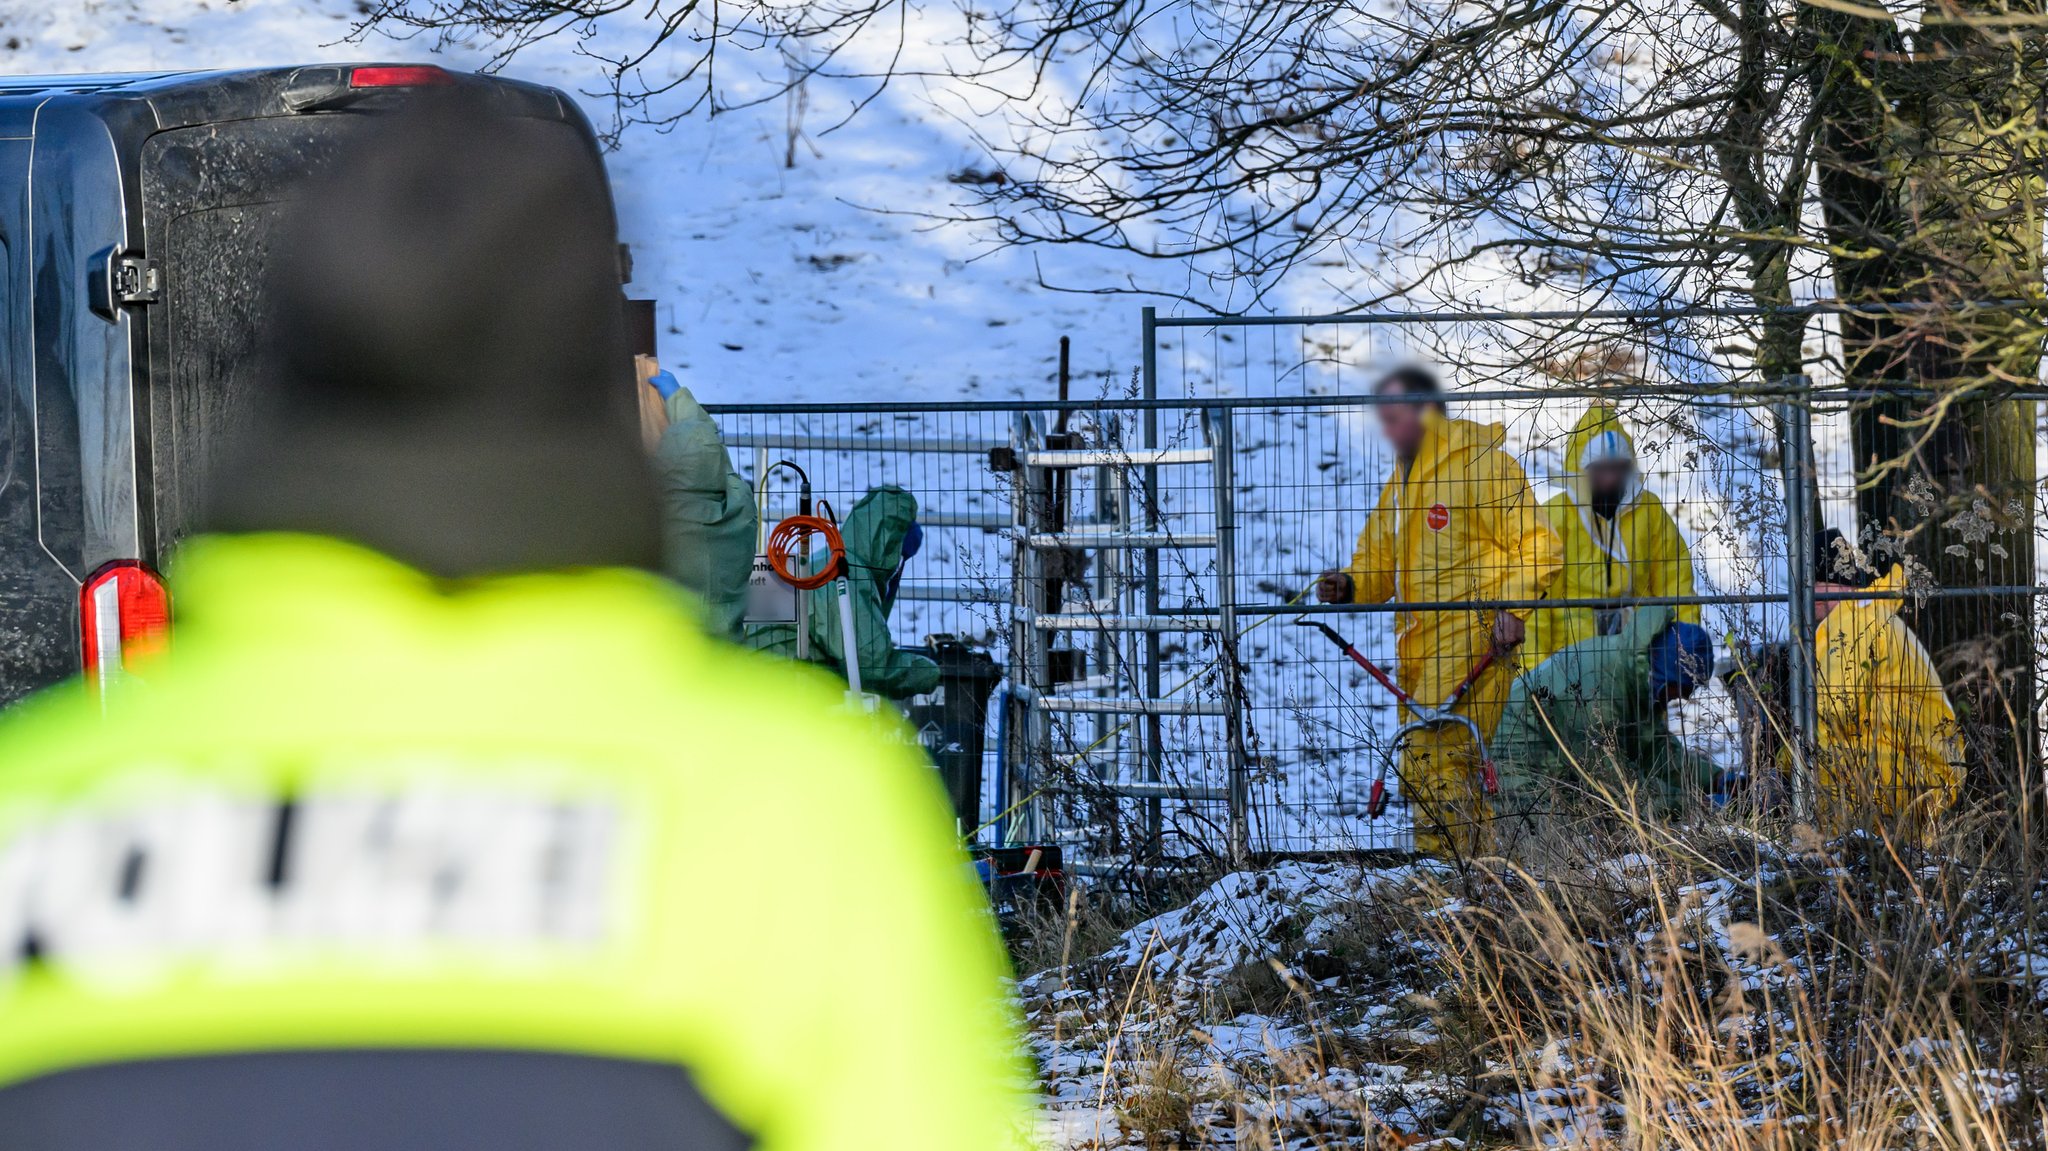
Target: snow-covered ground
(1316, 1005)
(821, 281)
(830, 279)
(833, 279)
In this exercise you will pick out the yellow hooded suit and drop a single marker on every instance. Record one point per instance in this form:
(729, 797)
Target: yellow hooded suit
(1887, 732)
(1639, 552)
(1458, 524)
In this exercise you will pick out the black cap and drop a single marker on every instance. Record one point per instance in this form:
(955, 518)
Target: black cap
(1835, 560)
(446, 376)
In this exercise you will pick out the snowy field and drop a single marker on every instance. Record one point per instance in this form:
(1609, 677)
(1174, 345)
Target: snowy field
(834, 280)
(774, 283)
(831, 280)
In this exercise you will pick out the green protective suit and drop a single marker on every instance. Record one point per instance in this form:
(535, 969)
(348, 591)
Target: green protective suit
(874, 532)
(356, 811)
(1589, 704)
(709, 523)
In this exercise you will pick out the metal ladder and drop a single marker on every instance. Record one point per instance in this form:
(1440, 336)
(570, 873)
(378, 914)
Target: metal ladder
(1117, 684)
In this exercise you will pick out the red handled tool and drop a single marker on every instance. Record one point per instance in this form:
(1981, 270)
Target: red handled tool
(1424, 716)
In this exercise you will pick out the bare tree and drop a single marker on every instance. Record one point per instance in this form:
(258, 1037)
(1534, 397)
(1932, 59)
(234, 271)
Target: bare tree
(663, 64)
(1665, 154)
(1690, 152)
(1932, 195)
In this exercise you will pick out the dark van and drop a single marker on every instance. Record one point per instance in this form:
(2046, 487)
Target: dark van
(135, 217)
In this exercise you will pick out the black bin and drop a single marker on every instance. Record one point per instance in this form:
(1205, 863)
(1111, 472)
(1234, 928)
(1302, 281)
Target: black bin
(951, 720)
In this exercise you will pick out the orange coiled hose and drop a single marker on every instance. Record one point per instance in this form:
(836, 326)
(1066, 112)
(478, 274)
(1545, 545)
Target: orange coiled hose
(785, 543)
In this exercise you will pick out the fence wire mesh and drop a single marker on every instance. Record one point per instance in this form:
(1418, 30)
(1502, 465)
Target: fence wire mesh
(1138, 563)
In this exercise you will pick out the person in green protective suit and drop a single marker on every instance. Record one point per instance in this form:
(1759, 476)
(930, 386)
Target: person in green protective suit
(443, 824)
(709, 525)
(1592, 718)
(881, 533)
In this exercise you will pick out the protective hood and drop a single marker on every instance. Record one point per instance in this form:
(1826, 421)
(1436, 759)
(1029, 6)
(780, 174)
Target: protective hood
(876, 528)
(1447, 441)
(446, 377)
(1599, 435)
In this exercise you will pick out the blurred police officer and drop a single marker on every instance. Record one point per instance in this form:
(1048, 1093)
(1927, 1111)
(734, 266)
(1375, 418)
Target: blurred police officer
(444, 824)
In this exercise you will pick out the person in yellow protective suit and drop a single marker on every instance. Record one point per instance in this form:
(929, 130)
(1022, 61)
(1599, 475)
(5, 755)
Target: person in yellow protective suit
(444, 822)
(1455, 522)
(1619, 541)
(1888, 752)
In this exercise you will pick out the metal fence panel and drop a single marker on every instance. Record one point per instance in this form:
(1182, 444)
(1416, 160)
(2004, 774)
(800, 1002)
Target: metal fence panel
(1137, 562)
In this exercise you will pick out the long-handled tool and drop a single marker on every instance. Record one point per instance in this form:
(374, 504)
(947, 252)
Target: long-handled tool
(1425, 717)
(803, 559)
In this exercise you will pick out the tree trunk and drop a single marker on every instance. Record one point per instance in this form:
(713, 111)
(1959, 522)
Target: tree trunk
(1929, 182)
(1767, 202)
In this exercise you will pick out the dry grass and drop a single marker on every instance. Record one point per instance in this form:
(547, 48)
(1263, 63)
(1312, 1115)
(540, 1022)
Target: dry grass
(1721, 991)
(1057, 937)
(1639, 987)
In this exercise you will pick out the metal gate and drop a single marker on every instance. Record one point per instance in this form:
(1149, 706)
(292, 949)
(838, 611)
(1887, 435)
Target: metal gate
(1131, 560)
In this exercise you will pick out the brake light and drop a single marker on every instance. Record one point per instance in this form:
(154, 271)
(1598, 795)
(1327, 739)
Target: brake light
(124, 614)
(399, 76)
(319, 87)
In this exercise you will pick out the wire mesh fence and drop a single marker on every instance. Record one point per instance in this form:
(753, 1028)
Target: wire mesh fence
(1140, 566)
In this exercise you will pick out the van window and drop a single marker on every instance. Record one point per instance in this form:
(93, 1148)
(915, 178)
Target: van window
(212, 199)
(214, 308)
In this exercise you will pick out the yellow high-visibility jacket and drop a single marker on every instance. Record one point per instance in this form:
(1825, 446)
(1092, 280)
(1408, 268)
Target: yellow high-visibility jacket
(374, 860)
(1888, 738)
(1637, 553)
(1458, 524)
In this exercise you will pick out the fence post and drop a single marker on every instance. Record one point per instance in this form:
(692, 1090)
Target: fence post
(1155, 735)
(1222, 441)
(1027, 753)
(1802, 500)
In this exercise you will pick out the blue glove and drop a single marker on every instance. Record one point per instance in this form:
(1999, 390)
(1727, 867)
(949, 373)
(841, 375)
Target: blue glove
(665, 384)
(1729, 785)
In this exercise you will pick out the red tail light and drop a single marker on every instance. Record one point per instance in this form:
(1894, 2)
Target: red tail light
(319, 87)
(399, 76)
(124, 614)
